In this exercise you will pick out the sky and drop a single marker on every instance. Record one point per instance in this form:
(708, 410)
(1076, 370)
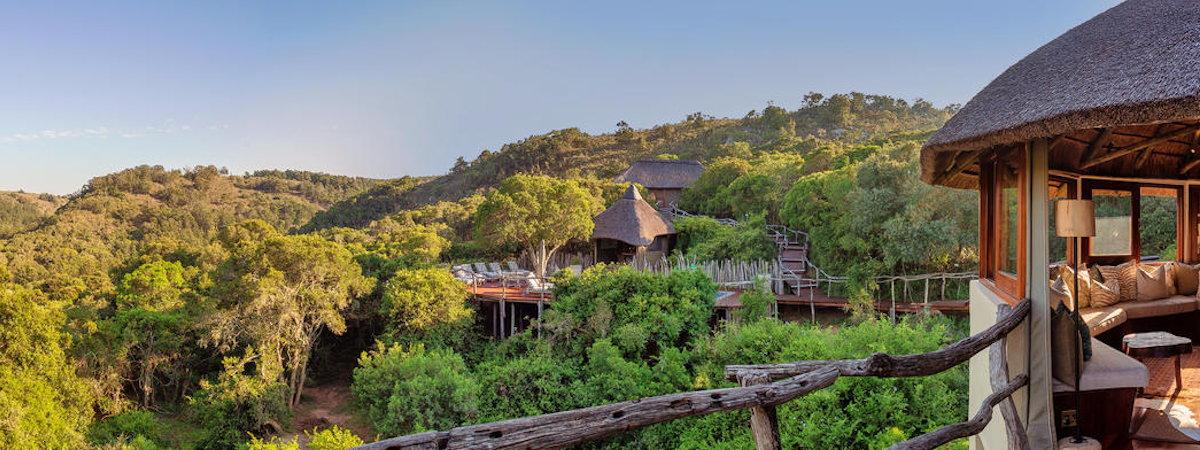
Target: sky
(392, 88)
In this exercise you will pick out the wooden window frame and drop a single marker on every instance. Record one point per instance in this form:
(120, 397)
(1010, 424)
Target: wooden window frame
(1135, 236)
(1009, 286)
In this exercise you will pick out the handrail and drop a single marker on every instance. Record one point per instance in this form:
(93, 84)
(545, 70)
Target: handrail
(571, 428)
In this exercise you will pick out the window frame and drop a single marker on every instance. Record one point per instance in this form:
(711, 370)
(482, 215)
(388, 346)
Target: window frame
(1135, 236)
(1011, 286)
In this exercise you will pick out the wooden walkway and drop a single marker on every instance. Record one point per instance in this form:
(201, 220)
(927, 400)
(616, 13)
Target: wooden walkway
(820, 300)
(733, 300)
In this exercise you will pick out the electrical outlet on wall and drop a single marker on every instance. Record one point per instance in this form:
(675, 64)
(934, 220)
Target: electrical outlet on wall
(1068, 418)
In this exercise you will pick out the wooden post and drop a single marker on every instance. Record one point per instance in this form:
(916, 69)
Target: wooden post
(512, 321)
(502, 311)
(764, 422)
(539, 318)
(926, 290)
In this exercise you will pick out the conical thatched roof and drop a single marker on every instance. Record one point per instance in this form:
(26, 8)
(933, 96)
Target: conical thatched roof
(1133, 65)
(631, 220)
(663, 173)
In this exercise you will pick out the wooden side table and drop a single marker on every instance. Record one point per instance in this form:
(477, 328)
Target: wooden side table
(1159, 344)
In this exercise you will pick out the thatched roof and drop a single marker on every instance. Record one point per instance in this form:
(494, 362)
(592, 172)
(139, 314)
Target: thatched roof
(1131, 66)
(662, 173)
(631, 220)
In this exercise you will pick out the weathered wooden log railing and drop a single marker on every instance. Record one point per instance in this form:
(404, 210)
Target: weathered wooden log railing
(757, 393)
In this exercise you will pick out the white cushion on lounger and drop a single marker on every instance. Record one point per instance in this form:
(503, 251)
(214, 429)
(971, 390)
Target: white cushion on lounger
(1108, 369)
(1100, 320)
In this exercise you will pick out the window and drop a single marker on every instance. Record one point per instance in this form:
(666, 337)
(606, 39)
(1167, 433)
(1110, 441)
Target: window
(1008, 211)
(1058, 189)
(1002, 228)
(1134, 221)
(1158, 222)
(1114, 223)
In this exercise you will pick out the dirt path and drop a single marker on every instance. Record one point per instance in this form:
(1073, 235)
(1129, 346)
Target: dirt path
(327, 405)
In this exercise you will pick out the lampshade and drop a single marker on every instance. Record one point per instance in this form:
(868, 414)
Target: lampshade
(1074, 218)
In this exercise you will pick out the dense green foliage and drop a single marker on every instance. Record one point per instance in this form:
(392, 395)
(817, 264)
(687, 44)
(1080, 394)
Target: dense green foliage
(706, 239)
(540, 214)
(22, 212)
(186, 308)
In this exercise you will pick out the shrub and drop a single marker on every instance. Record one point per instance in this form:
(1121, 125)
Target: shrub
(238, 403)
(128, 426)
(706, 239)
(274, 444)
(407, 390)
(332, 438)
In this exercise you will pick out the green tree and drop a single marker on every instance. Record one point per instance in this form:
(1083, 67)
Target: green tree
(427, 304)
(411, 389)
(46, 405)
(541, 214)
(278, 293)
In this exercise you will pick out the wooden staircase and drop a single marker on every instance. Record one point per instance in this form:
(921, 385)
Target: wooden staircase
(792, 255)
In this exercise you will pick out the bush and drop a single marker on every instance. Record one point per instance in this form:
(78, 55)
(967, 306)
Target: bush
(238, 403)
(406, 390)
(332, 438)
(668, 311)
(127, 427)
(706, 239)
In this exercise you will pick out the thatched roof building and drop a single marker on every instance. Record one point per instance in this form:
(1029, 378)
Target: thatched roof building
(1117, 94)
(631, 220)
(662, 173)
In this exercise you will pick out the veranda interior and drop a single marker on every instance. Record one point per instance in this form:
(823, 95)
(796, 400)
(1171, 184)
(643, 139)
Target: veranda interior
(1108, 111)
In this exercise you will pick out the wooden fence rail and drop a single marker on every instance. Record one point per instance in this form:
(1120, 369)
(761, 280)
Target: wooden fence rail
(756, 393)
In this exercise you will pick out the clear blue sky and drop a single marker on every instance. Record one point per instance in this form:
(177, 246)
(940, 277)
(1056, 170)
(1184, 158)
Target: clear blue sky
(385, 89)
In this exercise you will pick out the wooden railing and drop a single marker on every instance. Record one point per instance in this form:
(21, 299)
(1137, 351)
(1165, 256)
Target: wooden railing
(762, 389)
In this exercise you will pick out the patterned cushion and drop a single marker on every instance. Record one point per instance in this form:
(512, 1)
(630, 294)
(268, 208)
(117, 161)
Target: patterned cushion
(1152, 283)
(1126, 275)
(1085, 284)
(1106, 293)
(1059, 293)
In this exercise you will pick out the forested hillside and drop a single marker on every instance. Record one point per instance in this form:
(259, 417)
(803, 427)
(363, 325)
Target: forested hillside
(191, 308)
(822, 129)
(20, 211)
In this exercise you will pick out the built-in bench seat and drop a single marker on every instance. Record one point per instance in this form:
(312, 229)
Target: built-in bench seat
(1109, 368)
(1100, 320)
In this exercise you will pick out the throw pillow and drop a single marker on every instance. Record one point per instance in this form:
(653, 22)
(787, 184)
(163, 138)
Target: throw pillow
(1187, 278)
(1085, 284)
(1152, 283)
(1065, 341)
(1126, 275)
(1059, 294)
(1105, 293)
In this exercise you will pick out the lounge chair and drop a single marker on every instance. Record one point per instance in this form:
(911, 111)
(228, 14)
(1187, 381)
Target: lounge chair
(535, 285)
(514, 269)
(495, 268)
(481, 269)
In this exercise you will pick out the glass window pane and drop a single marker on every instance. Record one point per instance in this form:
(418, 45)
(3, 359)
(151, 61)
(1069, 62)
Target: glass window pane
(1058, 246)
(1006, 183)
(1114, 223)
(1158, 213)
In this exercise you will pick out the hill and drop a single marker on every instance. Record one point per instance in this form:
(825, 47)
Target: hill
(821, 124)
(118, 216)
(22, 211)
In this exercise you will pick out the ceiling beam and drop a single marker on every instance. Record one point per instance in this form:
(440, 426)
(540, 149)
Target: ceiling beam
(957, 164)
(1145, 156)
(1195, 157)
(1131, 149)
(1094, 146)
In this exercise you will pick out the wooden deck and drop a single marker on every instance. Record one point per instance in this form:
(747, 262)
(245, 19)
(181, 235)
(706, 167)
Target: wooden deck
(508, 294)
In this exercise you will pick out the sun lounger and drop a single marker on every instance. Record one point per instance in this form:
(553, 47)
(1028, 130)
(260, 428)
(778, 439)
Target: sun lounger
(482, 270)
(535, 285)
